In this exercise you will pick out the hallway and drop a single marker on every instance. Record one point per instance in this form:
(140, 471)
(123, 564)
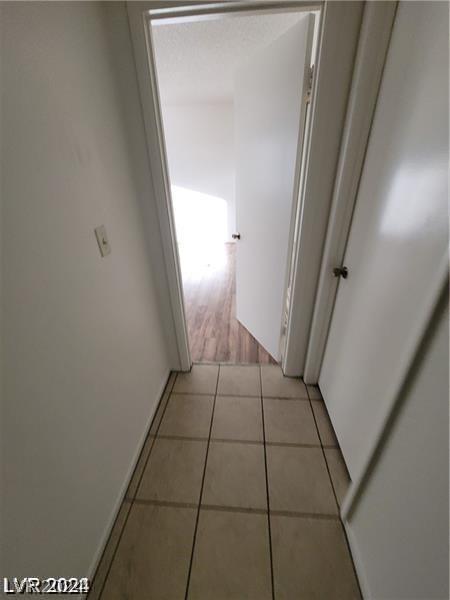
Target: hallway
(235, 495)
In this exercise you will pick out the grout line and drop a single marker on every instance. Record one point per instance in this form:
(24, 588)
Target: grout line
(168, 503)
(304, 515)
(273, 513)
(335, 497)
(207, 394)
(233, 441)
(182, 438)
(267, 492)
(225, 395)
(234, 509)
(292, 445)
(288, 398)
(168, 388)
(239, 441)
(201, 489)
(222, 363)
(222, 394)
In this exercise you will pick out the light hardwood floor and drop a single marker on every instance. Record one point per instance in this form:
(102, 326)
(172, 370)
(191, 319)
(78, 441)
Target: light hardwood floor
(215, 335)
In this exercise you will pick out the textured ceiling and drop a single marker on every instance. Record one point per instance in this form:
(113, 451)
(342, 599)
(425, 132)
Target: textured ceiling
(196, 60)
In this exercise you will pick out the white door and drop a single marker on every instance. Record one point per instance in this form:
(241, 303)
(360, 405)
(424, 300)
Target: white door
(269, 115)
(398, 238)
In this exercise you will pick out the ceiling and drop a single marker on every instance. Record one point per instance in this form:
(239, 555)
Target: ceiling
(196, 60)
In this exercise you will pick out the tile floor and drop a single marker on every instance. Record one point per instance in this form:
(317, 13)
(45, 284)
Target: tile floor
(235, 496)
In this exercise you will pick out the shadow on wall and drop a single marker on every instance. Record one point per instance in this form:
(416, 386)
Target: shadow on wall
(201, 228)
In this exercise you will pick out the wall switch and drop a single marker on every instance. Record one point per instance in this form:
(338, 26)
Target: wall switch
(102, 240)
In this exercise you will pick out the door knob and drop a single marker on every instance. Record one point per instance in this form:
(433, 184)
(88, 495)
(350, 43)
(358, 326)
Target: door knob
(340, 272)
(236, 236)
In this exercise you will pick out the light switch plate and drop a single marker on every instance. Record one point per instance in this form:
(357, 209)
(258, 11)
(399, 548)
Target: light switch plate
(102, 240)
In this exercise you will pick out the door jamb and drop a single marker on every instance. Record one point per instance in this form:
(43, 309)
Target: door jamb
(149, 95)
(341, 22)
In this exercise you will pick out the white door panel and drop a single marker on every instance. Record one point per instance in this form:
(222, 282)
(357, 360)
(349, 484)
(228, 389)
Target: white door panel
(399, 231)
(269, 107)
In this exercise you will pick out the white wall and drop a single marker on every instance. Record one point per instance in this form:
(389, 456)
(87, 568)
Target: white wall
(84, 346)
(399, 529)
(200, 148)
(1, 285)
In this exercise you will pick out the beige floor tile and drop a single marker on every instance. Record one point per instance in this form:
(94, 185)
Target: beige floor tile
(326, 430)
(338, 471)
(174, 471)
(314, 392)
(298, 480)
(239, 381)
(108, 554)
(311, 560)
(235, 476)
(237, 419)
(187, 415)
(153, 556)
(276, 385)
(202, 379)
(289, 421)
(231, 557)
(149, 441)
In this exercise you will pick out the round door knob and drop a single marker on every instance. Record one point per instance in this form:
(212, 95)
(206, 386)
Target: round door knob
(340, 272)
(236, 236)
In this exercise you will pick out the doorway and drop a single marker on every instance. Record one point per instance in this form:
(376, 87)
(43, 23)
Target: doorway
(337, 41)
(234, 171)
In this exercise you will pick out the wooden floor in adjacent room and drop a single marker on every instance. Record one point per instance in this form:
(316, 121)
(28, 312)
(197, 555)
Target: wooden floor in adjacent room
(214, 332)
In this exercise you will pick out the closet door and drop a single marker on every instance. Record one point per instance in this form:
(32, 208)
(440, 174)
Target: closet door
(399, 239)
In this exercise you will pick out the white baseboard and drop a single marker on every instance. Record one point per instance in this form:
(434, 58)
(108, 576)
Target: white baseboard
(360, 572)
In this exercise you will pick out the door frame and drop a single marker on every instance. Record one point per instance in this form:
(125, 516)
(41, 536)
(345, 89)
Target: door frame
(338, 40)
(141, 15)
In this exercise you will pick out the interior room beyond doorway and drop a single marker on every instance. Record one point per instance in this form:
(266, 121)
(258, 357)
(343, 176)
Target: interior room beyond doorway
(196, 64)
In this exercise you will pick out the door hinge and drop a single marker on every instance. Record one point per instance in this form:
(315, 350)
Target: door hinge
(310, 84)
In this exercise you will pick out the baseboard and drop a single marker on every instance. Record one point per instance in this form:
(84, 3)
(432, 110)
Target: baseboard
(98, 555)
(360, 573)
